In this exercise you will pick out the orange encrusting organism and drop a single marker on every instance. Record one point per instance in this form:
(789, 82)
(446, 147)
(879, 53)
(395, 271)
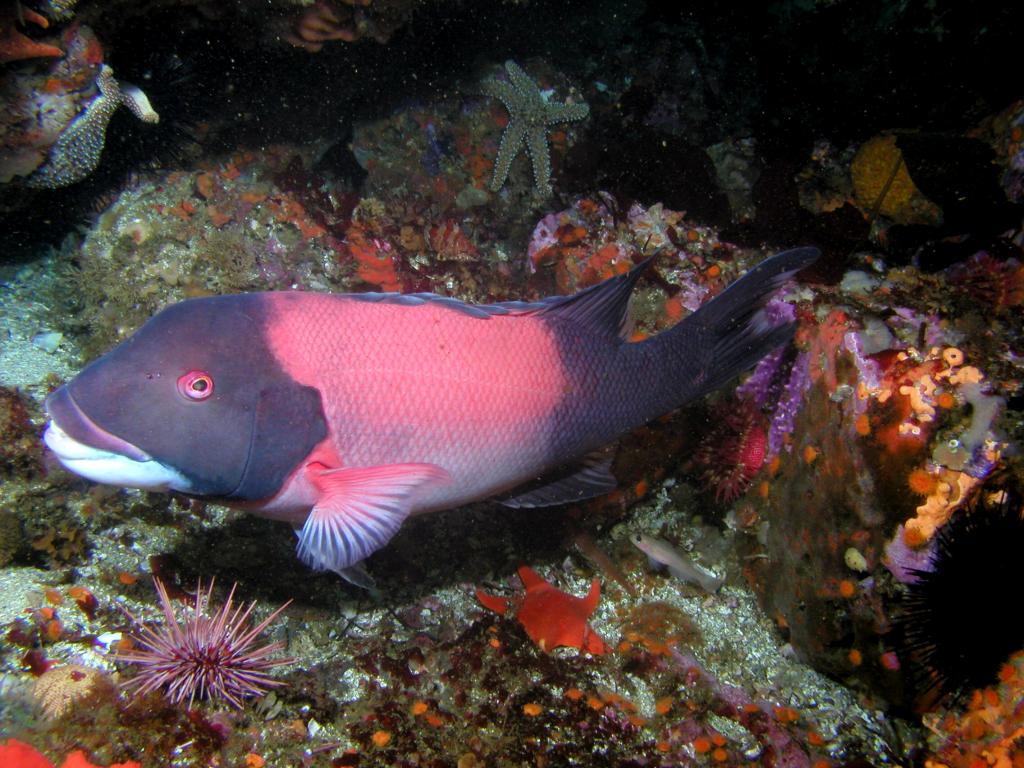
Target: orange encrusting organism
(862, 425)
(374, 266)
(922, 482)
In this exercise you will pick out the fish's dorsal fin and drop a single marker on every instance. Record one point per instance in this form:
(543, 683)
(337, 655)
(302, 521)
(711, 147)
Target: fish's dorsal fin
(601, 308)
(590, 477)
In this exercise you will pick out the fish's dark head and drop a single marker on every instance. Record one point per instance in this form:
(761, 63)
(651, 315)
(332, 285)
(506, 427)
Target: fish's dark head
(194, 401)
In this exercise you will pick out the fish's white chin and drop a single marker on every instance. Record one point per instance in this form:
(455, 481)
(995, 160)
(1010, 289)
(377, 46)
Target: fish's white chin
(111, 468)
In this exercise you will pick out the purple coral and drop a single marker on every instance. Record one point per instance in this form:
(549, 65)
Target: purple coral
(777, 386)
(904, 563)
(759, 383)
(868, 370)
(788, 405)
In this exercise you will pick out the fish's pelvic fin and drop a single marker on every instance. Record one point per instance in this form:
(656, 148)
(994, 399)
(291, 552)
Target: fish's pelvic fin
(358, 510)
(587, 479)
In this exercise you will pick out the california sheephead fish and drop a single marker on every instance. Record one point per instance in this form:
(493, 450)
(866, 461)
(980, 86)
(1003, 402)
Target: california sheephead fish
(344, 414)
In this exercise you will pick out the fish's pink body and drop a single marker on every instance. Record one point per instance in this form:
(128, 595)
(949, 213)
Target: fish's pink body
(436, 387)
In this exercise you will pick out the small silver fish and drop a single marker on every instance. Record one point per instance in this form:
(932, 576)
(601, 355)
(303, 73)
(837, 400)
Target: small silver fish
(678, 564)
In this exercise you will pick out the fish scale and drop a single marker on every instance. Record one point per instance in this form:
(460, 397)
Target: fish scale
(437, 386)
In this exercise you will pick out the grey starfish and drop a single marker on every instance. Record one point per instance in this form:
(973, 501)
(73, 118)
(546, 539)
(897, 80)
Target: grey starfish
(530, 115)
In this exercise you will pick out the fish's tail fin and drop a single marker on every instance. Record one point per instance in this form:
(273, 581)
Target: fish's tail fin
(726, 336)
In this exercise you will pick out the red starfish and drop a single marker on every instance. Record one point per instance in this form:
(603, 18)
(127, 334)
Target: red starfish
(18, 753)
(551, 617)
(13, 44)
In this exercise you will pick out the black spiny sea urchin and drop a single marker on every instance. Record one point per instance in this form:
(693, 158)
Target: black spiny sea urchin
(203, 656)
(960, 620)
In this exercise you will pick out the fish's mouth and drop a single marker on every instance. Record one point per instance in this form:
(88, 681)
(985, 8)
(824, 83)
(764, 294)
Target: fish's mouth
(90, 451)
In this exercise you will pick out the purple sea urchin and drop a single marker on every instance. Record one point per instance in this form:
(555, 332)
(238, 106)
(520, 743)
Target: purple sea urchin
(203, 655)
(958, 621)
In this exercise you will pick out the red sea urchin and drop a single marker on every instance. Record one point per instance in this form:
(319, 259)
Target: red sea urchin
(960, 621)
(203, 656)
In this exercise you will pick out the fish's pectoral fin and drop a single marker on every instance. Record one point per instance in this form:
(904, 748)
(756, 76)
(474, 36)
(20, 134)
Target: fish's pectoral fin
(358, 510)
(590, 477)
(656, 565)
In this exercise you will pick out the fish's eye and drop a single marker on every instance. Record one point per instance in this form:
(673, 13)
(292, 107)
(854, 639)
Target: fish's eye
(196, 385)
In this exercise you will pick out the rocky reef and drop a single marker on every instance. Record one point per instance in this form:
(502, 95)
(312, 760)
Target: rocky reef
(835, 496)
